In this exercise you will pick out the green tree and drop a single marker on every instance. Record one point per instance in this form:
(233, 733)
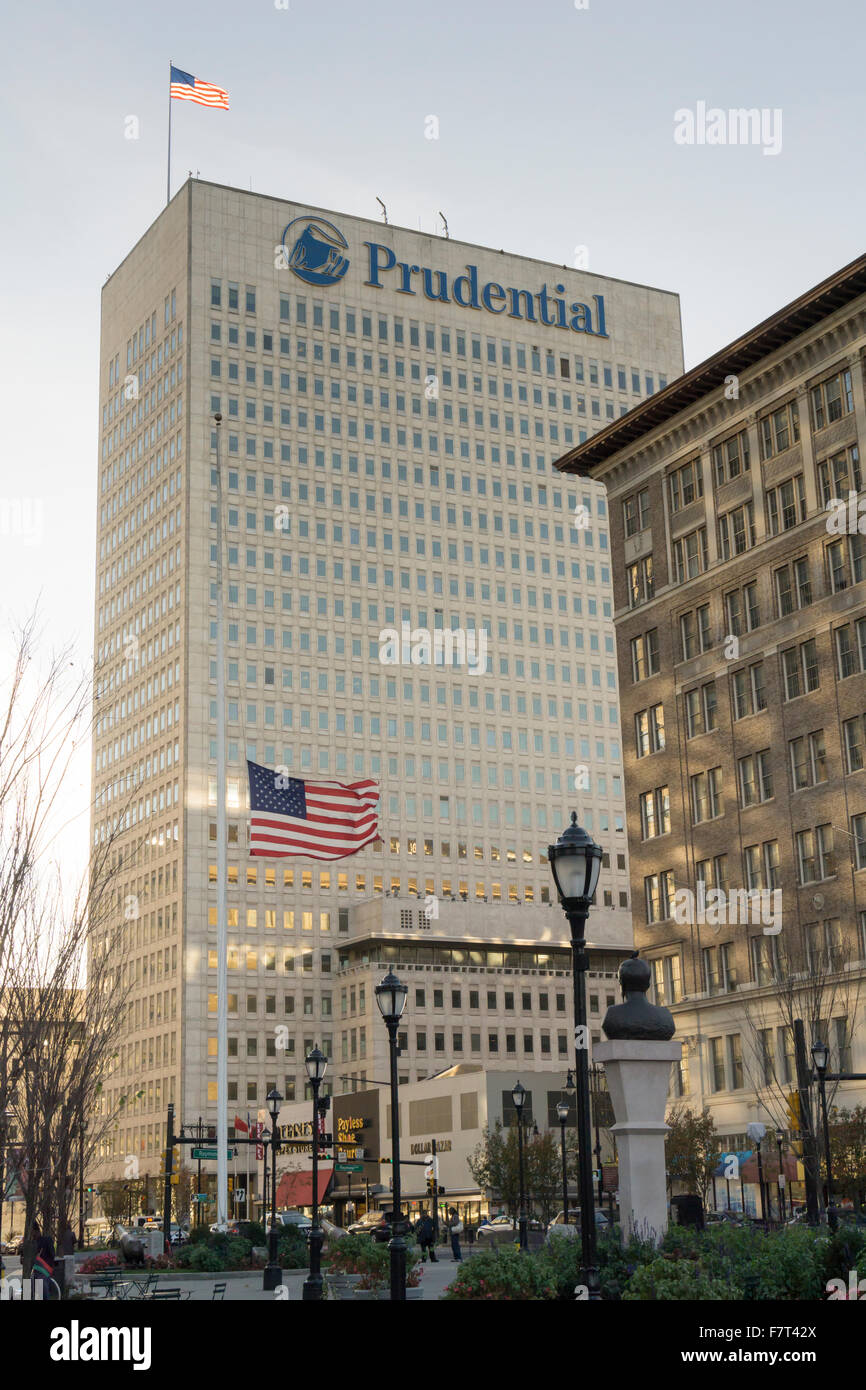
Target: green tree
(848, 1152)
(691, 1149)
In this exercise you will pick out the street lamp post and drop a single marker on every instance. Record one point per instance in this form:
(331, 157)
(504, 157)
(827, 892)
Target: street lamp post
(518, 1095)
(316, 1064)
(562, 1110)
(780, 1134)
(272, 1274)
(391, 998)
(575, 862)
(821, 1058)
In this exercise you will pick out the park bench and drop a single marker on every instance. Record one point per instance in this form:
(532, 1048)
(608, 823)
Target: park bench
(219, 1293)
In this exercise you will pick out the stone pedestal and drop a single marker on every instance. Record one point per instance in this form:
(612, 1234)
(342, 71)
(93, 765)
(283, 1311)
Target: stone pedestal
(638, 1075)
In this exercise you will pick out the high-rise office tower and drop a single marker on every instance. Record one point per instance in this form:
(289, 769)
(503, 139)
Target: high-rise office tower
(391, 406)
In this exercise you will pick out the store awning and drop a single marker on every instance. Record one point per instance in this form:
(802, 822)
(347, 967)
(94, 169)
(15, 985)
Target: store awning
(296, 1189)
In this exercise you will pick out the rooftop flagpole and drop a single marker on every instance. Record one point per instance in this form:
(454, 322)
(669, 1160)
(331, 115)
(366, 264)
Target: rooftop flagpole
(168, 167)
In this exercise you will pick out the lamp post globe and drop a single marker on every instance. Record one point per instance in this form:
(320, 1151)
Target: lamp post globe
(575, 863)
(391, 997)
(316, 1064)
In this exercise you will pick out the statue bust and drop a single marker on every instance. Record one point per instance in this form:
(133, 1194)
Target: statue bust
(636, 1018)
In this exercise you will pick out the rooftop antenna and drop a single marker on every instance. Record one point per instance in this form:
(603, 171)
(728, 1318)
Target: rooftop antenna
(384, 211)
(444, 224)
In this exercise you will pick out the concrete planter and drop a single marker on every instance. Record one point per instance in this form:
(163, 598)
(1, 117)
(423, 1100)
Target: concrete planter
(414, 1293)
(371, 1295)
(342, 1285)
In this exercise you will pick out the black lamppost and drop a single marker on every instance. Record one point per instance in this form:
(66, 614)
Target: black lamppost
(518, 1095)
(272, 1274)
(391, 998)
(575, 861)
(562, 1111)
(316, 1064)
(780, 1134)
(821, 1058)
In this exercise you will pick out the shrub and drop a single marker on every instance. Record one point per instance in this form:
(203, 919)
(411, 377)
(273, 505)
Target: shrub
(664, 1279)
(253, 1231)
(292, 1250)
(202, 1258)
(198, 1235)
(98, 1264)
(504, 1273)
(351, 1254)
(840, 1253)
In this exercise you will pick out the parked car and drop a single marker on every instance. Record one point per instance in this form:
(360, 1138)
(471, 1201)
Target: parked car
(377, 1224)
(498, 1230)
(294, 1218)
(559, 1227)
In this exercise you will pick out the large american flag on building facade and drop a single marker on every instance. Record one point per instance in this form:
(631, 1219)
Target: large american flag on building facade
(185, 87)
(316, 820)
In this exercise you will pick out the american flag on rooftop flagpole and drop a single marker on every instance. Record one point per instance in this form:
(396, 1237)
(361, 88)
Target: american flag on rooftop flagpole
(184, 87)
(315, 820)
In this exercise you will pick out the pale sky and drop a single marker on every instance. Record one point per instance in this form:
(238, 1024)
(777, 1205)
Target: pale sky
(556, 130)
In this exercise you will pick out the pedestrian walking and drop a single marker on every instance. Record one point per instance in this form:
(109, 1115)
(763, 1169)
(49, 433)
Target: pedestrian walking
(43, 1262)
(67, 1244)
(426, 1239)
(455, 1230)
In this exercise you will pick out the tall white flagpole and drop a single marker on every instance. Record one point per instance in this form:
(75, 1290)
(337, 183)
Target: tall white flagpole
(222, 869)
(168, 164)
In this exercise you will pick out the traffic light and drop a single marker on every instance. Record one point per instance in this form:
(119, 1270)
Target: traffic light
(794, 1118)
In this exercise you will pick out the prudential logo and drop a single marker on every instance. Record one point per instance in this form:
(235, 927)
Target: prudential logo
(314, 250)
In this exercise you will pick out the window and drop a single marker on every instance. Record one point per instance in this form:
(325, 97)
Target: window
(755, 778)
(635, 513)
(765, 959)
(846, 561)
(800, 673)
(748, 690)
(735, 1060)
(649, 730)
(706, 795)
(717, 1063)
(858, 835)
(645, 655)
(695, 631)
(815, 854)
(720, 976)
(853, 739)
(690, 555)
(851, 648)
(640, 581)
(737, 531)
(761, 865)
(731, 458)
(808, 760)
(741, 609)
(786, 505)
(712, 873)
(667, 979)
(832, 399)
(686, 485)
(839, 475)
(655, 813)
(700, 708)
(779, 430)
(793, 587)
(659, 893)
